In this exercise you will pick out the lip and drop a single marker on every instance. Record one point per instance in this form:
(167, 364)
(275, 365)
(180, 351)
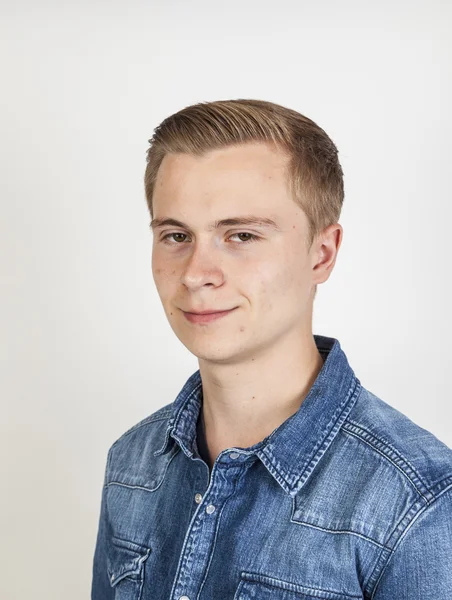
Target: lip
(205, 312)
(206, 317)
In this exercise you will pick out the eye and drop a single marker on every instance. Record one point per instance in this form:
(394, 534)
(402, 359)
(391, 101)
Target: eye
(166, 238)
(251, 238)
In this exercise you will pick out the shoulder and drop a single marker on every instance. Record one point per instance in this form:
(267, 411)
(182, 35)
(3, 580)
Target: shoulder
(131, 457)
(411, 450)
(142, 427)
(381, 472)
(403, 476)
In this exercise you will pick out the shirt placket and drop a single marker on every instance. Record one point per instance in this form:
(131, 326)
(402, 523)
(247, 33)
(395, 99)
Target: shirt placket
(200, 538)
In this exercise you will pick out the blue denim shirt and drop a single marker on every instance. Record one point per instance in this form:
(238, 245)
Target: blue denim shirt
(346, 499)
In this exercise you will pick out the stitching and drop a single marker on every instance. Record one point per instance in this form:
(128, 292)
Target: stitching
(132, 487)
(342, 412)
(371, 445)
(346, 531)
(405, 532)
(161, 416)
(388, 444)
(214, 543)
(322, 443)
(141, 487)
(181, 413)
(259, 579)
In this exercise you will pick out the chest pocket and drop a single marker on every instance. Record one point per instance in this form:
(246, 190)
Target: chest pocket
(125, 567)
(262, 587)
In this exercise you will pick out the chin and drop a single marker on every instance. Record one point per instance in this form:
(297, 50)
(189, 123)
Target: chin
(208, 354)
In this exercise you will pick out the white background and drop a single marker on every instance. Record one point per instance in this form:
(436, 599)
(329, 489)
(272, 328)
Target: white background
(86, 350)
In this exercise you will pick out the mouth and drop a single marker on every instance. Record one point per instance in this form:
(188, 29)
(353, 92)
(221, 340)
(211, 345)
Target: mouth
(207, 317)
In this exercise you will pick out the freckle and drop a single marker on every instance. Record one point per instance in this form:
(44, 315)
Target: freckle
(242, 329)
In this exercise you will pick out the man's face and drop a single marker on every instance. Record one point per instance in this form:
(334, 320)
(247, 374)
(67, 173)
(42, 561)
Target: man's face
(268, 280)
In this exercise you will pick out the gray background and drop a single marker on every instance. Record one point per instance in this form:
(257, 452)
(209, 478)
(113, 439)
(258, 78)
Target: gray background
(86, 350)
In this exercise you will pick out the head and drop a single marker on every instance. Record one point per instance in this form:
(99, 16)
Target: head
(237, 159)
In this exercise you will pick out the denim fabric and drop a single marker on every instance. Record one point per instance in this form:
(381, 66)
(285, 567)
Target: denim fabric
(346, 499)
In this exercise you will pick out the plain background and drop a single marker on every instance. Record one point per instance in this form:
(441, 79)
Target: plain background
(86, 351)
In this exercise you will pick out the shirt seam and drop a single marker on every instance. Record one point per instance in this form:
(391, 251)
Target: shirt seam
(295, 479)
(406, 531)
(391, 454)
(162, 416)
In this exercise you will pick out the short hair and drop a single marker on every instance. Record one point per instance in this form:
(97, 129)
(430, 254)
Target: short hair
(314, 174)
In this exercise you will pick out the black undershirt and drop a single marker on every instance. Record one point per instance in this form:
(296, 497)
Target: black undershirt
(201, 439)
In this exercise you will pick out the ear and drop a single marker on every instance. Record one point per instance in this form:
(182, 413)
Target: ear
(325, 251)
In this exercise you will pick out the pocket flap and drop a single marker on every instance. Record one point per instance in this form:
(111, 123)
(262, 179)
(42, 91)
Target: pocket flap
(125, 559)
(255, 586)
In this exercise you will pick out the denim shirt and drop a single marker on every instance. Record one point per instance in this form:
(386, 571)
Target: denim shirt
(346, 499)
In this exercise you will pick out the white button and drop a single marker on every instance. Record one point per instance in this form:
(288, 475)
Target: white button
(234, 455)
(198, 498)
(184, 598)
(210, 509)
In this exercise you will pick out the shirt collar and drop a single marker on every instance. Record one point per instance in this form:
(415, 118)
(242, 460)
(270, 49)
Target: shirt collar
(293, 449)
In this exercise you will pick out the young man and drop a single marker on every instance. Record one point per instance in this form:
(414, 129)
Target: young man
(274, 474)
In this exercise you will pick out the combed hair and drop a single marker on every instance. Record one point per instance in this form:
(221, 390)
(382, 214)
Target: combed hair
(314, 174)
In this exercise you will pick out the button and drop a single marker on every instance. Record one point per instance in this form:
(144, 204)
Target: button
(198, 498)
(112, 578)
(184, 598)
(234, 455)
(210, 509)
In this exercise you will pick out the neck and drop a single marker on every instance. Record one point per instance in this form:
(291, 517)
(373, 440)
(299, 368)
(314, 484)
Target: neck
(245, 402)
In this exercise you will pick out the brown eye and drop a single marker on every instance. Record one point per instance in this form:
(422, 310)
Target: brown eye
(251, 237)
(168, 235)
(171, 240)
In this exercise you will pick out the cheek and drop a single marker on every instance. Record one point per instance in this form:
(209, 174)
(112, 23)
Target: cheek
(158, 273)
(163, 278)
(160, 267)
(265, 285)
(278, 283)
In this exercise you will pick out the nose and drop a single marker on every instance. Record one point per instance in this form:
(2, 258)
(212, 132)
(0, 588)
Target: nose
(202, 269)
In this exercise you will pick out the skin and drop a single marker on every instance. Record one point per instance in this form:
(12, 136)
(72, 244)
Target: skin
(259, 362)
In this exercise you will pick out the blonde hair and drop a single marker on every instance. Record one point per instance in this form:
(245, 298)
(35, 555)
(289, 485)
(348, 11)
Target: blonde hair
(315, 176)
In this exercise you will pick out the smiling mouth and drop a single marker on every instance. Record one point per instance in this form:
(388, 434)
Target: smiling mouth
(207, 312)
(207, 317)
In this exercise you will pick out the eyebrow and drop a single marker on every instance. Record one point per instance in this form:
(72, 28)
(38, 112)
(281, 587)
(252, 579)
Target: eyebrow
(233, 221)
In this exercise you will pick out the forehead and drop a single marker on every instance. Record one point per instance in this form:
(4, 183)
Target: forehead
(236, 172)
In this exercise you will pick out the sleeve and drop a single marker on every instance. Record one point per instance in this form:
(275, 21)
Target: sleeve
(100, 587)
(420, 567)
